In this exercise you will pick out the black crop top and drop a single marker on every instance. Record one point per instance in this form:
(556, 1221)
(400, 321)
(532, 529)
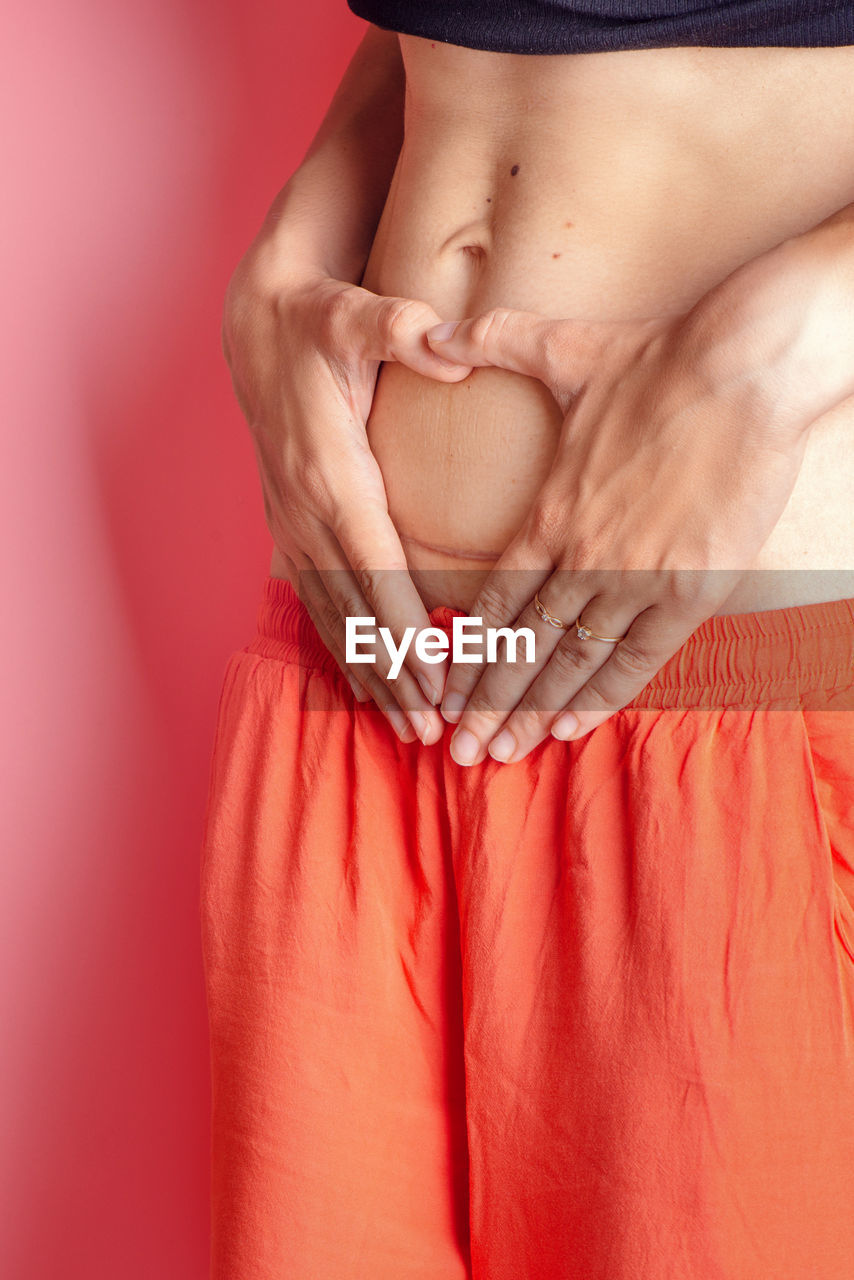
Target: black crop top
(590, 26)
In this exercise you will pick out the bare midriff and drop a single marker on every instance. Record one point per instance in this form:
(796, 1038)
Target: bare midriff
(596, 186)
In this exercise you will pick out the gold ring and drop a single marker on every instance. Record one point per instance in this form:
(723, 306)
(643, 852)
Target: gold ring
(584, 633)
(549, 617)
(581, 630)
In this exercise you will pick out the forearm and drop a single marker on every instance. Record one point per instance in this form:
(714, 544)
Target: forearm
(781, 326)
(842, 221)
(817, 281)
(822, 260)
(324, 218)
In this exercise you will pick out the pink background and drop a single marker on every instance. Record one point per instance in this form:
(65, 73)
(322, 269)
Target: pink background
(141, 146)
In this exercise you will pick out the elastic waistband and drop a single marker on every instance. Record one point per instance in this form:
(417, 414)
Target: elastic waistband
(798, 657)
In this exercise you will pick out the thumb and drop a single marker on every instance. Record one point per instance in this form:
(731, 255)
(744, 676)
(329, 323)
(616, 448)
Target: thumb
(380, 327)
(558, 352)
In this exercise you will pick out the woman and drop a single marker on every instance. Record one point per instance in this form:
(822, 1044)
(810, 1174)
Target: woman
(587, 1008)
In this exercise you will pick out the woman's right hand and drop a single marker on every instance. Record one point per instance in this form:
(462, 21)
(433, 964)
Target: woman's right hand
(304, 356)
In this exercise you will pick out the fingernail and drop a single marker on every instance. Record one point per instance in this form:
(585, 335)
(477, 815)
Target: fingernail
(360, 694)
(399, 723)
(503, 747)
(565, 726)
(442, 332)
(464, 747)
(453, 707)
(431, 693)
(420, 724)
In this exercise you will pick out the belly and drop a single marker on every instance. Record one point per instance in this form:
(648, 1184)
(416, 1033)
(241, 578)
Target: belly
(601, 186)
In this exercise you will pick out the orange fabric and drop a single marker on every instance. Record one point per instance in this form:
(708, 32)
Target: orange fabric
(585, 1017)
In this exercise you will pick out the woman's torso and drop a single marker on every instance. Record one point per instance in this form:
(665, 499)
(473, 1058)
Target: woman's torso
(597, 186)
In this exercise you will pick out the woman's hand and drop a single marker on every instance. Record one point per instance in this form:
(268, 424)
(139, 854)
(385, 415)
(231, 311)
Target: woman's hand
(682, 440)
(304, 358)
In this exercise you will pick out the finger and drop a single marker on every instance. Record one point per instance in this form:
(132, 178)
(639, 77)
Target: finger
(502, 597)
(651, 640)
(522, 341)
(392, 694)
(317, 611)
(366, 686)
(344, 590)
(504, 685)
(325, 617)
(320, 608)
(376, 328)
(571, 664)
(387, 586)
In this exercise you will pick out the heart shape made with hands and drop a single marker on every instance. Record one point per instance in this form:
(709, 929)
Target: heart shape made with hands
(666, 484)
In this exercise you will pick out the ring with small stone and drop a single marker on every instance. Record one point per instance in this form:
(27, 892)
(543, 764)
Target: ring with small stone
(581, 629)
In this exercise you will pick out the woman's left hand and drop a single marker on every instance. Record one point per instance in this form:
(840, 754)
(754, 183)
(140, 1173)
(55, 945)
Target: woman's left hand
(681, 444)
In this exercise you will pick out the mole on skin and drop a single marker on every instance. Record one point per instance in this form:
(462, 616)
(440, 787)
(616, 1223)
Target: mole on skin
(514, 171)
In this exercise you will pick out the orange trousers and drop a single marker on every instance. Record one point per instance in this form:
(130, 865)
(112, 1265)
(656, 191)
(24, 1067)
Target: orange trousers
(585, 1017)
